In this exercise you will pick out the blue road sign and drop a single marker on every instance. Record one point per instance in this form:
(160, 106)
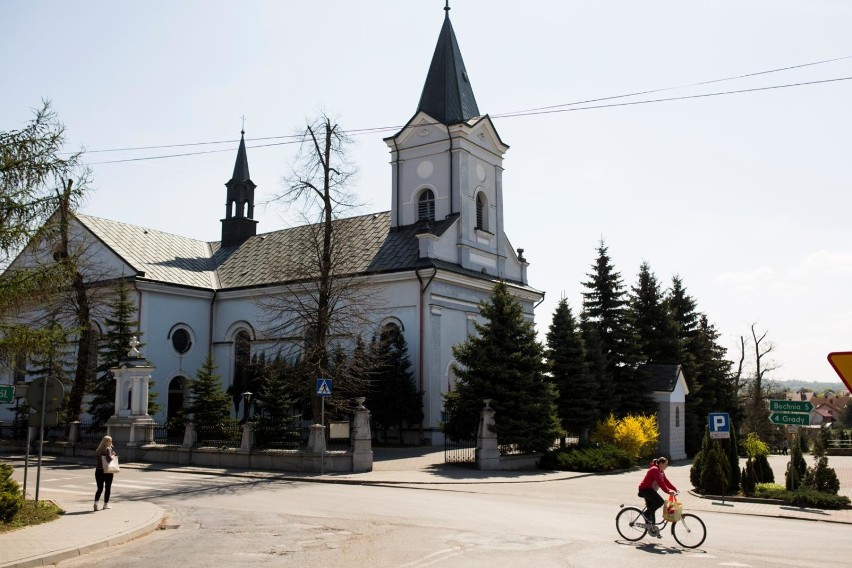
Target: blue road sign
(719, 424)
(323, 387)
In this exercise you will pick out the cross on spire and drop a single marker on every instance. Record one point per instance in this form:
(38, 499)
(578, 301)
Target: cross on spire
(447, 6)
(243, 117)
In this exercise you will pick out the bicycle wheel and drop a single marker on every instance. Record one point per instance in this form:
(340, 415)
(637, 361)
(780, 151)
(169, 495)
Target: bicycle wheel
(689, 531)
(630, 523)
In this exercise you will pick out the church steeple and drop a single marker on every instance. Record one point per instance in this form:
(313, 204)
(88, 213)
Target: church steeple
(238, 224)
(447, 95)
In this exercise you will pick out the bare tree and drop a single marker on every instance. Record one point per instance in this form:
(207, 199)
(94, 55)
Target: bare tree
(755, 392)
(323, 300)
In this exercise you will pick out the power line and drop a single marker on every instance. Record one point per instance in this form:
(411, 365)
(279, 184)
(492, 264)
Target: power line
(685, 86)
(553, 109)
(685, 97)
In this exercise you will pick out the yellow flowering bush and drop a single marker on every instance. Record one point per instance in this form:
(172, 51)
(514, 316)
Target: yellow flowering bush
(635, 434)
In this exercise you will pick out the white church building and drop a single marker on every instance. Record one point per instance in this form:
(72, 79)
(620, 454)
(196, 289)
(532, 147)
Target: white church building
(433, 256)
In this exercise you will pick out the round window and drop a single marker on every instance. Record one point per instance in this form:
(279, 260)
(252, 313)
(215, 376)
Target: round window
(181, 341)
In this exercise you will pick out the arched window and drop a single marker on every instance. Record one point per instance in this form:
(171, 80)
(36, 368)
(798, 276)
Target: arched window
(242, 358)
(677, 416)
(481, 212)
(426, 206)
(176, 398)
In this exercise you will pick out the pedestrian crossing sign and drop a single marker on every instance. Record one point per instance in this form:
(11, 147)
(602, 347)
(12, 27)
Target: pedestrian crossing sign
(323, 387)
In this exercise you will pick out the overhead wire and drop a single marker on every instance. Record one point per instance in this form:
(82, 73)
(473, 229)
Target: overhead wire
(551, 109)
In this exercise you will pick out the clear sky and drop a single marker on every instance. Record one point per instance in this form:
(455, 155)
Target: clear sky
(745, 196)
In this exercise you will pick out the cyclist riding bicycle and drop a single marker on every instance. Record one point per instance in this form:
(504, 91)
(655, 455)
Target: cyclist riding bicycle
(655, 479)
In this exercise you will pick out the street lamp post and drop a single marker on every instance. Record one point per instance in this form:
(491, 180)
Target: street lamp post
(247, 403)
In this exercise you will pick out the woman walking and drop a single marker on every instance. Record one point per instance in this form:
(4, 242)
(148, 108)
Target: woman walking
(103, 479)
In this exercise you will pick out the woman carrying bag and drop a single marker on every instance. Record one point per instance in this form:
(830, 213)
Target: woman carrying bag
(655, 479)
(105, 467)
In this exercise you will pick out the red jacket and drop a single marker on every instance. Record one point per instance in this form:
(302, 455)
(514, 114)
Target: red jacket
(655, 479)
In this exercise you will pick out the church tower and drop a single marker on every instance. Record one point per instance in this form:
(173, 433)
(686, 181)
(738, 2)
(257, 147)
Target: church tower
(447, 168)
(239, 224)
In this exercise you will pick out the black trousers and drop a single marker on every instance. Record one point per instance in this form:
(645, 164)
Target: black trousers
(653, 501)
(104, 481)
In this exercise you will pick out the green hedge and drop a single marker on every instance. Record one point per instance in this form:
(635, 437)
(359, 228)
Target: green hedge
(804, 497)
(586, 459)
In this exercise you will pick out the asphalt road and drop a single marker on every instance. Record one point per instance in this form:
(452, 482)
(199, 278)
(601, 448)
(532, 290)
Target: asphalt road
(227, 521)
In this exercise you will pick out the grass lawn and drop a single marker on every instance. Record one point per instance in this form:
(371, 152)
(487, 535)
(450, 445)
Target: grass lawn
(30, 514)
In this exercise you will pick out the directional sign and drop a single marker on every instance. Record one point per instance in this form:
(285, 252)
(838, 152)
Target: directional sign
(790, 406)
(7, 393)
(719, 424)
(790, 419)
(323, 387)
(842, 363)
(52, 395)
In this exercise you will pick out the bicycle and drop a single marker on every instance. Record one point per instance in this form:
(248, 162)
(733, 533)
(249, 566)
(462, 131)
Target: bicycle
(689, 531)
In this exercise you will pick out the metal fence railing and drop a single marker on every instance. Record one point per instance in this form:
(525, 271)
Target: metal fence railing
(14, 430)
(91, 434)
(166, 434)
(221, 436)
(286, 434)
(459, 451)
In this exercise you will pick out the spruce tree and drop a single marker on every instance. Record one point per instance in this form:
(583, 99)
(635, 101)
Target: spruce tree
(566, 354)
(396, 401)
(655, 330)
(794, 475)
(277, 390)
(504, 363)
(682, 309)
(733, 456)
(121, 328)
(210, 406)
(605, 313)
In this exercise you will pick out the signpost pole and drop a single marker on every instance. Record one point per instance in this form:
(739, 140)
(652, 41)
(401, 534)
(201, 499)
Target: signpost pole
(41, 436)
(322, 455)
(27, 457)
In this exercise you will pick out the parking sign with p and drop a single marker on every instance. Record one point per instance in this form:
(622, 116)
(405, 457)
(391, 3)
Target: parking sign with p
(719, 424)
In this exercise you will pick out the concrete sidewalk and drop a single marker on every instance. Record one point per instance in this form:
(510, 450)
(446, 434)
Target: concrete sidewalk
(80, 530)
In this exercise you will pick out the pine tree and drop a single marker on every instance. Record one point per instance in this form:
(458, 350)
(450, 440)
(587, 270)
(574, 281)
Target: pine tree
(733, 456)
(210, 406)
(605, 312)
(121, 328)
(506, 364)
(566, 354)
(795, 473)
(278, 388)
(655, 330)
(682, 309)
(395, 398)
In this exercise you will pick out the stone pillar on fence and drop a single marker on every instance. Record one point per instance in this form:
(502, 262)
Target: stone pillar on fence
(362, 439)
(316, 440)
(189, 435)
(487, 449)
(74, 432)
(248, 437)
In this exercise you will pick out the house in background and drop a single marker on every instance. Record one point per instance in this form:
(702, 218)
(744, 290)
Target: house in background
(431, 259)
(828, 410)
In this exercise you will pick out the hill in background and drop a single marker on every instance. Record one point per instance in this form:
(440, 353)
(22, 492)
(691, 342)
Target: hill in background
(815, 386)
